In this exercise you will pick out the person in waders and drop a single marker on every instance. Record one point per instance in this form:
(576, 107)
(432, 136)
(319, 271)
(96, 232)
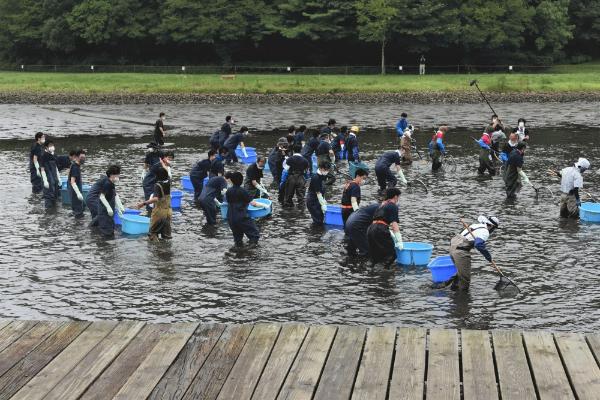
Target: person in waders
(406, 147)
(384, 235)
(166, 158)
(238, 200)
(50, 176)
(295, 183)
(275, 159)
(356, 230)
(76, 184)
(385, 178)
(461, 246)
(515, 176)
(486, 154)
(159, 130)
(571, 181)
(232, 142)
(351, 194)
(315, 200)
(103, 201)
(310, 147)
(212, 197)
(200, 171)
(509, 146)
(338, 144)
(325, 154)
(352, 151)
(35, 158)
(437, 149)
(253, 181)
(162, 214)
(401, 125)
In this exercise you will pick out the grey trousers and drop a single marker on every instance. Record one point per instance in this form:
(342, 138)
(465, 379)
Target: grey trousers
(462, 261)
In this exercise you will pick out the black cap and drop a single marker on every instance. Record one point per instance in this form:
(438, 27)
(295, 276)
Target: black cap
(331, 121)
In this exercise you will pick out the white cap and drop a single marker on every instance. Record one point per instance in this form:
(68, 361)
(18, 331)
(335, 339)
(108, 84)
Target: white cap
(488, 220)
(583, 163)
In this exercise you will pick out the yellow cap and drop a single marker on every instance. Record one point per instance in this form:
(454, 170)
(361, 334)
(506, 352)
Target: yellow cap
(354, 129)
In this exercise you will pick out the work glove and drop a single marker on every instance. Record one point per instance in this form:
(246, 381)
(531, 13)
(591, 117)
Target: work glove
(45, 179)
(263, 190)
(244, 152)
(169, 172)
(119, 205)
(218, 203)
(397, 237)
(143, 175)
(104, 202)
(322, 202)
(402, 177)
(524, 177)
(37, 169)
(77, 192)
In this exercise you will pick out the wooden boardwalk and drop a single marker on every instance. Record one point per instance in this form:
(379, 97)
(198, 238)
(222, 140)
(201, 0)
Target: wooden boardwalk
(136, 360)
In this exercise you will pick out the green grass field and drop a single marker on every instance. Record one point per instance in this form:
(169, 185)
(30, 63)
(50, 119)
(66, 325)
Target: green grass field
(584, 77)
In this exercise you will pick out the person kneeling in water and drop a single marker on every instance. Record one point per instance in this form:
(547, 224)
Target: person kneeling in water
(238, 199)
(384, 235)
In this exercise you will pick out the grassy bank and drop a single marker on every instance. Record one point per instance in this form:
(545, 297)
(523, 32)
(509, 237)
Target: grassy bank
(127, 83)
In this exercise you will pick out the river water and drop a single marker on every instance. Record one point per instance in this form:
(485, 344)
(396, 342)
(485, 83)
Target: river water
(52, 266)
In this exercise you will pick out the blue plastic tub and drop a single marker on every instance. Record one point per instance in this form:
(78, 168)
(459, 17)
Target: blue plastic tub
(414, 253)
(589, 212)
(333, 216)
(135, 224)
(64, 181)
(251, 151)
(66, 196)
(253, 212)
(355, 166)
(186, 183)
(442, 268)
(176, 196)
(258, 212)
(128, 211)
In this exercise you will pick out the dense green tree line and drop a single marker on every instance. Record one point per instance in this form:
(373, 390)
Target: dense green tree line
(298, 32)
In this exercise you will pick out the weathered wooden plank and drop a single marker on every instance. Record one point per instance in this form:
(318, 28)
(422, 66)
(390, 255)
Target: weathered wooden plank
(3, 323)
(514, 377)
(581, 366)
(479, 376)
(180, 375)
(117, 373)
(58, 368)
(375, 365)
(25, 344)
(94, 362)
(443, 374)
(550, 377)
(13, 331)
(408, 376)
(342, 364)
(282, 357)
(594, 342)
(141, 383)
(35, 361)
(302, 380)
(246, 372)
(212, 375)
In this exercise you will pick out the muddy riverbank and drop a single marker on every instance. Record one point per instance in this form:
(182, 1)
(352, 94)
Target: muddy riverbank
(466, 97)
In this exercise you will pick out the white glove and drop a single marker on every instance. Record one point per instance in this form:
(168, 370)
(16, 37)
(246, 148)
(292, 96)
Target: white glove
(45, 179)
(523, 176)
(262, 189)
(244, 152)
(397, 238)
(120, 207)
(169, 172)
(77, 192)
(143, 175)
(322, 202)
(109, 209)
(354, 203)
(218, 203)
(401, 177)
(37, 168)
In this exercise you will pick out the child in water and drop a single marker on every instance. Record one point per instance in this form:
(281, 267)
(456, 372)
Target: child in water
(238, 199)
(160, 220)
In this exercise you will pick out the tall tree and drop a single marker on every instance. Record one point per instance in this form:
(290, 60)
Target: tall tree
(552, 29)
(585, 16)
(376, 20)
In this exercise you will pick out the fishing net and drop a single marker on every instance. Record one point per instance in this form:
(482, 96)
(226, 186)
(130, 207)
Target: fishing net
(544, 192)
(417, 186)
(504, 283)
(450, 164)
